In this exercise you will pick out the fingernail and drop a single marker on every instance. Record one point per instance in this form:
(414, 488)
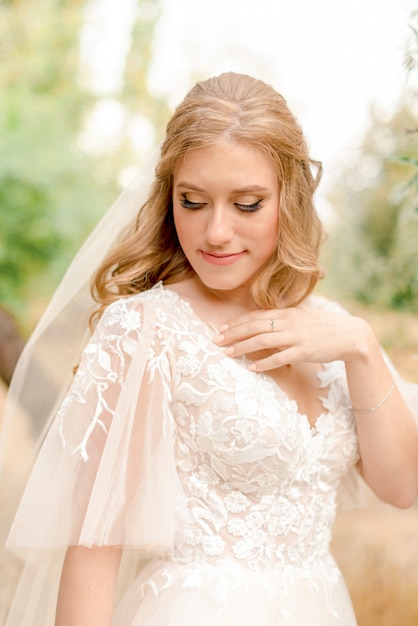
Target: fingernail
(223, 328)
(218, 339)
(229, 351)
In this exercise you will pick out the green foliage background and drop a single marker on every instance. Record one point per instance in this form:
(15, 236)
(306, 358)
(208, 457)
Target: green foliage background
(51, 191)
(372, 251)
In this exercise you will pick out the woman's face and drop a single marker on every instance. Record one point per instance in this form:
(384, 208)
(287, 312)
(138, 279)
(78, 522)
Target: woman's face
(226, 213)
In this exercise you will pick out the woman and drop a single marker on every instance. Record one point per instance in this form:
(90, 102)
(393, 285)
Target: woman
(210, 421)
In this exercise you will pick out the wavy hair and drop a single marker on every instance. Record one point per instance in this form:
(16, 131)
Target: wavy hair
(246, 110)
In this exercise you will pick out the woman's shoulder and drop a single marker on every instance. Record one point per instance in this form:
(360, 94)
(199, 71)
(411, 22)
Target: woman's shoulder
(158, 295)
(318, 302)
(130, 312)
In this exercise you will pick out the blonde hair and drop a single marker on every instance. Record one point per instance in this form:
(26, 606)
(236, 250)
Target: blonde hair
(245, 110)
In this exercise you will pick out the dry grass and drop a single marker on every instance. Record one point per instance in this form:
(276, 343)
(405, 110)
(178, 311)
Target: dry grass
(398, 333)
(377, 550)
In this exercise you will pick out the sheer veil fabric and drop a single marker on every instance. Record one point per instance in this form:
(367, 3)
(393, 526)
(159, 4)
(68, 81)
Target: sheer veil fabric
(41, 380)
(68, 312)
(45, 368)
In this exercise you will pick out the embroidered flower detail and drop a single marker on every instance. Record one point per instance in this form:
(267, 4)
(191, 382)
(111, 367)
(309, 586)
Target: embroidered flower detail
(213, 545)
(236, 502)
(210, 432)
(130, 320)
(217, 373)
(237, 527)
(251, 543)
(188, 365)
(295, 552)
(254, 520)
(243, 431)
(243, 549)
(284, 519)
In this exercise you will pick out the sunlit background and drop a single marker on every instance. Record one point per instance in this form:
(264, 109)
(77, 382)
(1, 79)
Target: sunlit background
(86, 88)
(333, 60)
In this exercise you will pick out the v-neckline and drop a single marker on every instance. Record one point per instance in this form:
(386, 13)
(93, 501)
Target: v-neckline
(211, 328)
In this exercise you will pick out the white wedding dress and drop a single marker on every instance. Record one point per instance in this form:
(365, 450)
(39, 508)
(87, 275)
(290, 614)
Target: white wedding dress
(197, 465)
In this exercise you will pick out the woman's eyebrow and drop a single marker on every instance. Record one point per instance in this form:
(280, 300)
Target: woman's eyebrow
(246, 189)
(187, 185)
(251, 188)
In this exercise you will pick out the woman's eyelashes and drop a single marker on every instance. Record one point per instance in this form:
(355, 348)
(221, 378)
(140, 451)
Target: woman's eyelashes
(245, 208)
(187, 204)
(249, 208)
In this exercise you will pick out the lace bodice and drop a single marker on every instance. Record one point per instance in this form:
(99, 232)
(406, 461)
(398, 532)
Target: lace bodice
(256, 483)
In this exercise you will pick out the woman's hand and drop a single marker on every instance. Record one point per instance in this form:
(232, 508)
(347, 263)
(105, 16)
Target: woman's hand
(295, 335)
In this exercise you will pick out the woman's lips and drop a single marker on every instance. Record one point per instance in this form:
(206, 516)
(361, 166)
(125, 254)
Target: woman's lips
(221, 259)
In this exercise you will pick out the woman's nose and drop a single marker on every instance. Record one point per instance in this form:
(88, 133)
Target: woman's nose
(219, 228)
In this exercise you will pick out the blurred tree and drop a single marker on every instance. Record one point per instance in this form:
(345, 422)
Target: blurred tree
(142, 103)
(411, 51)
(52, 190)
(46, 181)
(372, 250)
(411, 65)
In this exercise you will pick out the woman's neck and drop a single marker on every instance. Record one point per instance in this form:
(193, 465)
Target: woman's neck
(240, 299)
(212, 306)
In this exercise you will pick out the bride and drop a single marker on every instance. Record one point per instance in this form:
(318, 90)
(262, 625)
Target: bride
(219, 407)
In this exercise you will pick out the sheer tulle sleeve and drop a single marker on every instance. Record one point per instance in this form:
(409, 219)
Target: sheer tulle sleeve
(105, 474)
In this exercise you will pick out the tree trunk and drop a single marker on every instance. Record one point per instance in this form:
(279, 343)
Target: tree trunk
(11, 345)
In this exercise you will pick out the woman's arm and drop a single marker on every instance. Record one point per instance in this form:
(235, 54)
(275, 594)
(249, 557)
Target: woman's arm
(387, 433)
(87, 587)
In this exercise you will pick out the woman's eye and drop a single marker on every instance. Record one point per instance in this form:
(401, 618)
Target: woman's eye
(187, 204)
(249, 208)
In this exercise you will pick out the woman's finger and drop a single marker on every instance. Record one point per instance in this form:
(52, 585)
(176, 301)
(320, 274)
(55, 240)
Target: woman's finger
(248, 327)
(280, 358)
